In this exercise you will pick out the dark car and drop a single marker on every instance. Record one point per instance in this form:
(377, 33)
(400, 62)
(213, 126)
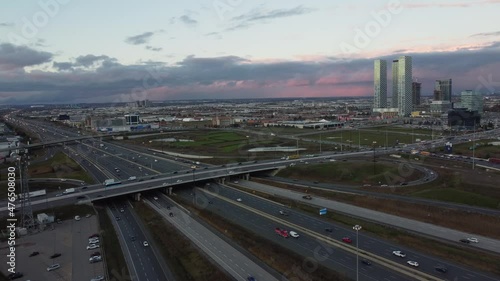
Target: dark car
(175, 172)
(366, 262)
(328, 229)
(85, 187)
(132, 238)
(16, 275)
(168, 207)
(34, 254)
(95, 254)
(55, 255)
(441, 268)
(251, 278)
(171, 214)
(465, 241)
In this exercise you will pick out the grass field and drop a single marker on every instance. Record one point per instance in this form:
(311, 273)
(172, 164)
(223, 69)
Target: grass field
(229, 146)
(458, 196)
(366, 137)
(60, 166)
(354, 172)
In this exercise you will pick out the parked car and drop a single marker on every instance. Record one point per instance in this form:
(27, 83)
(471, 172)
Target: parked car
(328, 229)
(473, 240)
(92, 246)
(294, 234)
(466, 241)
(145, 243)
(34, 254)
(53, 267)
(55, 255)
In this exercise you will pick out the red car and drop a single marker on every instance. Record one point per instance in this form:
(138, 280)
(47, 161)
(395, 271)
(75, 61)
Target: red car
(347, 240)
(281, 232)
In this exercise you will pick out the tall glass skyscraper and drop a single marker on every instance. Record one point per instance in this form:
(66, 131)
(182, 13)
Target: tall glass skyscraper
(394, 83)
(380, 84)
(405, 79)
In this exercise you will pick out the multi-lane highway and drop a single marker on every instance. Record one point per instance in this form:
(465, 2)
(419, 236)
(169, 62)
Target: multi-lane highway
(234, 208)
(144, 262)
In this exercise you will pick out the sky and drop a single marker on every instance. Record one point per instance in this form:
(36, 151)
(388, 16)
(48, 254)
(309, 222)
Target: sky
(68, 51)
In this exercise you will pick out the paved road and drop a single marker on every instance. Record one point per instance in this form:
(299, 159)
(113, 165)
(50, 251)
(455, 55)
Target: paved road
(235, 263)
(312, 249)
(144, 262)
(367, 242)
(413, 225)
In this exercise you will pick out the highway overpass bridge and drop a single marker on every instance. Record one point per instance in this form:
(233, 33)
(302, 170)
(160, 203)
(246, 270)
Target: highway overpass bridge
(164, 182)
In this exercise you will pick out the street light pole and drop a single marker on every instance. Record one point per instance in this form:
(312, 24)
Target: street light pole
(374, 142)
(357, 228)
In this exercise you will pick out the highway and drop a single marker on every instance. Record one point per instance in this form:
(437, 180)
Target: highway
(486, 243)
(307, 246)
(369, 243)
(144, 263)
(226, 256)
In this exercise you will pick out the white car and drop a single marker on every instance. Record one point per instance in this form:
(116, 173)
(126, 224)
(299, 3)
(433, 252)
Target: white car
(93, 240)
(53, 267)
(293, 234)
(95, 258)
(92, 246)
(77, 218)
(98, 278)
(399, 254)
(239, 199)
(473, 240)
(155, 198)
(412, 263)
(179, 180)
(145, 243)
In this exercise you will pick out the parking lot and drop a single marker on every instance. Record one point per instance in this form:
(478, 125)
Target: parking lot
(70, 239)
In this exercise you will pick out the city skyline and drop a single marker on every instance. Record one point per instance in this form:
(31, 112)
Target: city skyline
(52, 52)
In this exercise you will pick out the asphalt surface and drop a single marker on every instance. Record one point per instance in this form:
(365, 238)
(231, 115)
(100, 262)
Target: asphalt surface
(312, 249)
(226, 256)
(404, 223)
(145, 263)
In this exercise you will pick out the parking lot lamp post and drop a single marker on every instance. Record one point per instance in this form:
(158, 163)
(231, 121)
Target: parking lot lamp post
(357, 228)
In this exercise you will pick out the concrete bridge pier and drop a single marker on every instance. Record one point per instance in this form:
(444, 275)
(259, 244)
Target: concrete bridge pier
(137, 197)
(221, 180)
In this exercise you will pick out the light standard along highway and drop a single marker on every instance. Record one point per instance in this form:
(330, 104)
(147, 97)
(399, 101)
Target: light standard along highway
(357, 228)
